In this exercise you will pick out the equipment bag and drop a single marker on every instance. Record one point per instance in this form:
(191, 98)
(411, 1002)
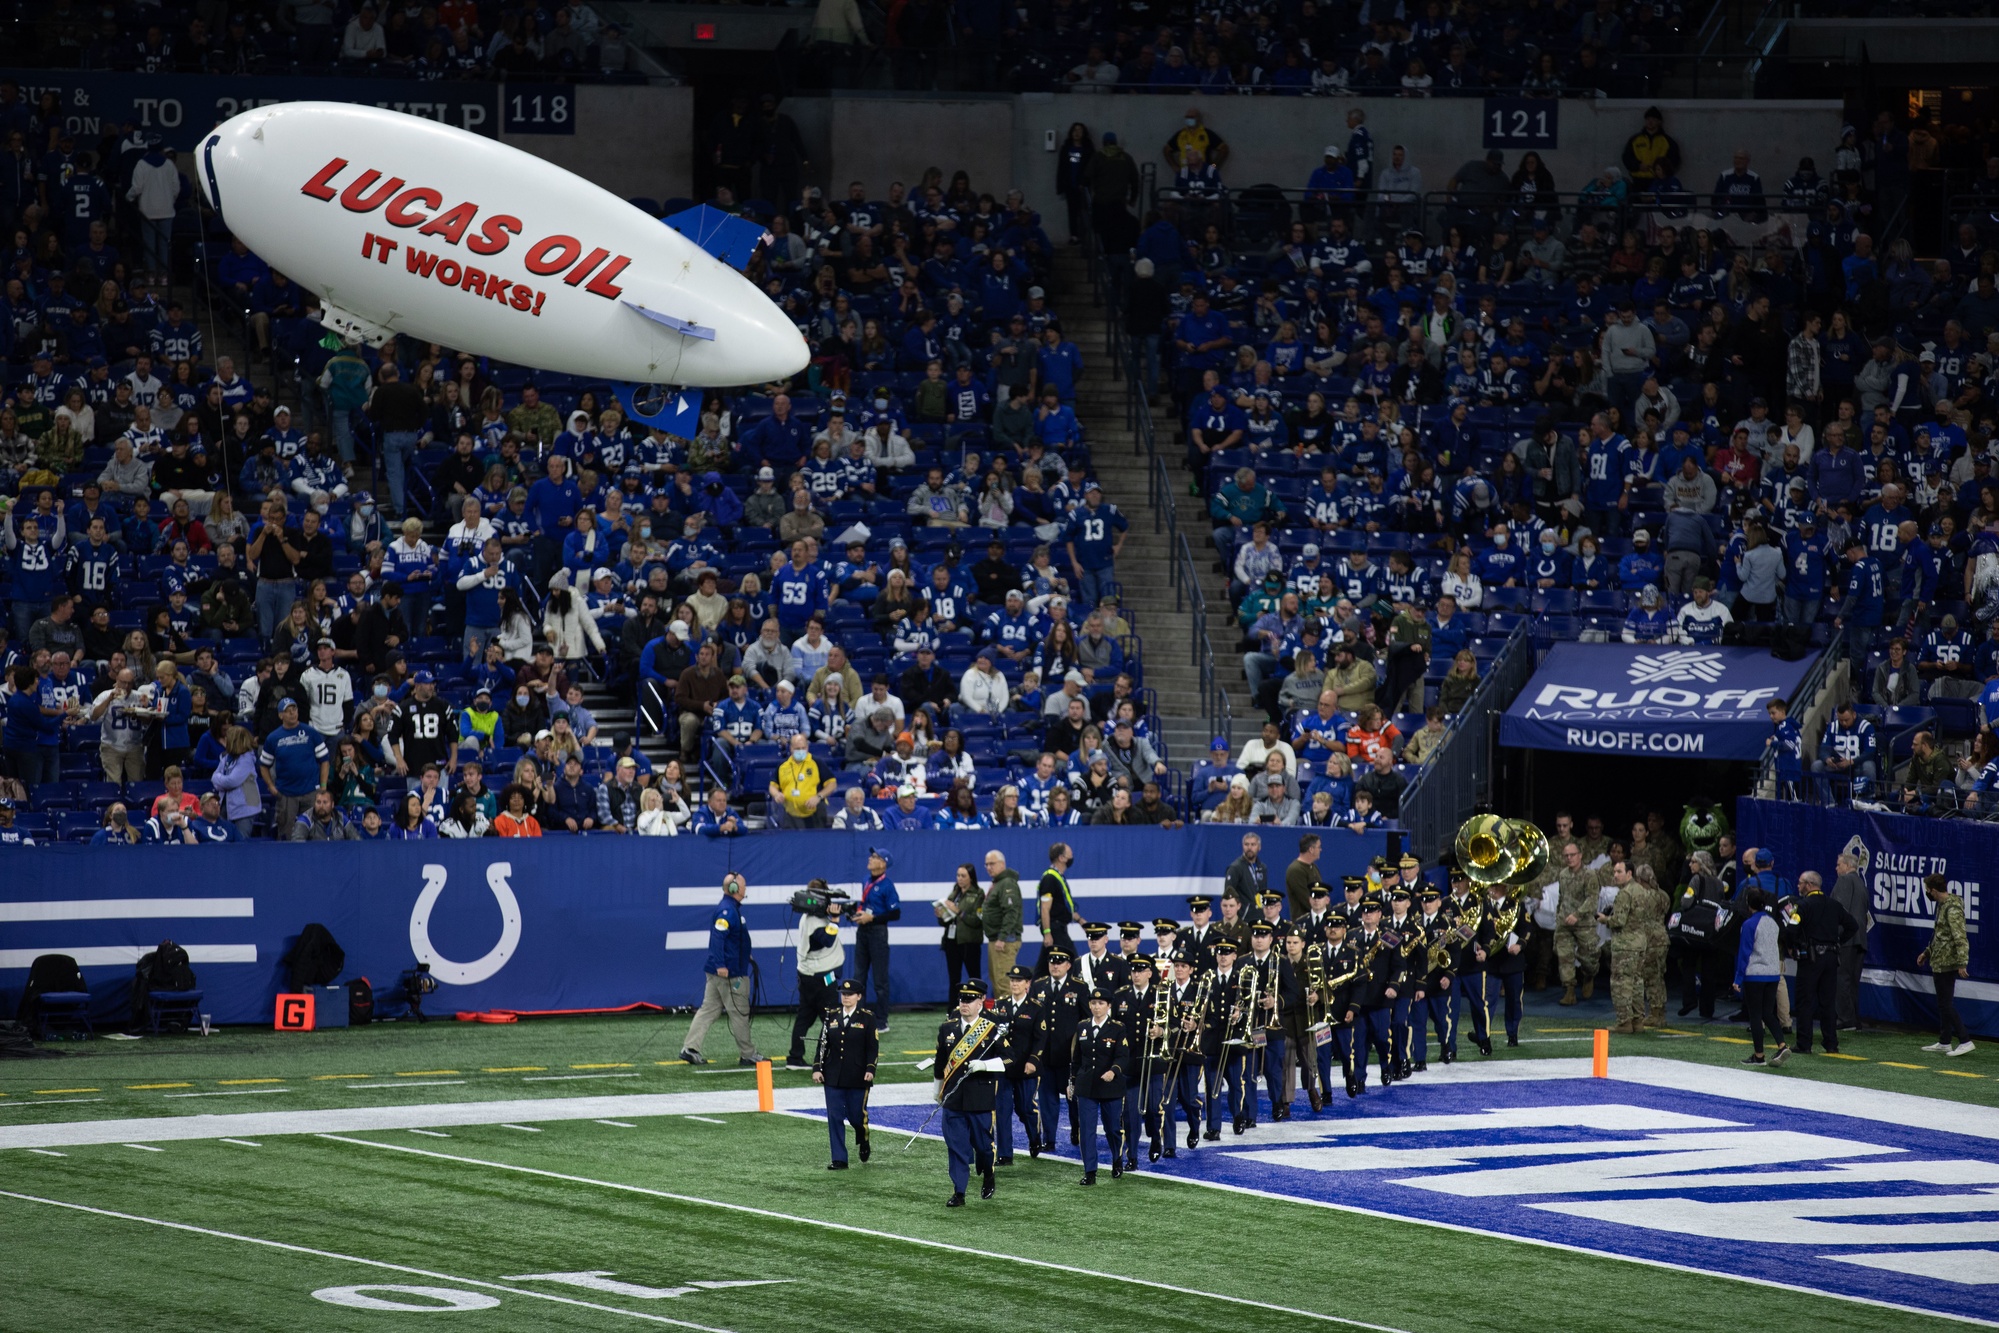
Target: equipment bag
(315, 958)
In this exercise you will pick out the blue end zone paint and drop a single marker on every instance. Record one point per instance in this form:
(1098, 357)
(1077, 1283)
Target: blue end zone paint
(1694, 1180)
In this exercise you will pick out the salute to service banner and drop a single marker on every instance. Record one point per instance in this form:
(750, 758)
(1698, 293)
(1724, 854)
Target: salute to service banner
(1695, 701)
(1895, 853)
(563, 922)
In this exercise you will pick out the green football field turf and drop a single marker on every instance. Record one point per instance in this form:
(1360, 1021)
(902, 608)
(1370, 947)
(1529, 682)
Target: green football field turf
(669, 1201)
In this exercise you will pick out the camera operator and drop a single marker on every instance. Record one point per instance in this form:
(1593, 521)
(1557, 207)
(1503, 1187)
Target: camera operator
(820, 955)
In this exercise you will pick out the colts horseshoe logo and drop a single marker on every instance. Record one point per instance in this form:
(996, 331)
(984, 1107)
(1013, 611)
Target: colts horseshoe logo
(466, 974)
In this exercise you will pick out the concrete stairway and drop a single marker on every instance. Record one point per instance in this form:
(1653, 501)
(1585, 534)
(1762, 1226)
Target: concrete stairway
(1145, 566)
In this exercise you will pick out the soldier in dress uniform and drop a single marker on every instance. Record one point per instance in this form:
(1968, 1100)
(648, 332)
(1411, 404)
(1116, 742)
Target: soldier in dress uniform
(1440, 996)
(1371, 1003)
(845, 1065)
(1463, 910)
(1097, 968)
(1198, 939)
(1231, 927)
(1269, 909)
(1225, 1063)
(968, 1068)
(1165, 942)
(1505, 932)
(1062, 1002)
(1023, 1056)
(1312, 925)
(1097, 1082)
(1353, 888)
(1129, 934)
(1408, 991)
(1295, 1010)
(1341, 962)
(1189, 992)
(1268, 963)
(1139, 1009)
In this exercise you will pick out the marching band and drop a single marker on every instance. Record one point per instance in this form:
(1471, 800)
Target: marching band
(1255, 1002)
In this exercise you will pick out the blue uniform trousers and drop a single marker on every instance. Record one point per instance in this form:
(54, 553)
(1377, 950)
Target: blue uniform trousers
(1380, 1025)
(1020, 1097)
(1187, 1092)
(1510, 985)
(1142, 1105)
(1049, 1099)
(968, 1138)
(1111, 1112)
(846, 1106)
(1469, 993)
(1442, 1006)
(1273, 1071)
(1235, 1082)
(1398, 1024)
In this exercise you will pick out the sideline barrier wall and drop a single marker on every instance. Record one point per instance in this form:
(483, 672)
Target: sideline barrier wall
(560, 922)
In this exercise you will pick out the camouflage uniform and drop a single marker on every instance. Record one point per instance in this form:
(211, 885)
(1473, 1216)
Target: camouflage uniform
(1657, 942)
(1628, 954)
(1576, 896)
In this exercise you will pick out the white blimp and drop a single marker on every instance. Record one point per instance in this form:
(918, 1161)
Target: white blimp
(408, 227)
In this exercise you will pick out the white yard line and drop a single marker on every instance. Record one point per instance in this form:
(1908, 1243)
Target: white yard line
(772, 1214)
(705, 1120)
(434, 1083)
(243, 1143)
(233, 1092)
(356, 1259)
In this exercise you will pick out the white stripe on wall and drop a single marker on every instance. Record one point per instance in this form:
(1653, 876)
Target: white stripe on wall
(113, 955)
(1924, 984)
(1160, 886)
(125, 909)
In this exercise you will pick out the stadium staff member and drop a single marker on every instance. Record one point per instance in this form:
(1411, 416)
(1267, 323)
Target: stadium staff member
(845, 1065)
(879, 905)
(1824, 927)
(819, 958)
(727, 990)
(968, 1061)
(1001, 915)
(1058, 905)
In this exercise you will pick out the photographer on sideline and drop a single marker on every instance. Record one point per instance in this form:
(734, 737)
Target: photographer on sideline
(727, 990)
(820, 955)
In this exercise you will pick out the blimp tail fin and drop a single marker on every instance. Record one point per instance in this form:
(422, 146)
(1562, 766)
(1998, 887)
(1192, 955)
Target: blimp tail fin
(659, 406)
(674, 322)
(730, 239)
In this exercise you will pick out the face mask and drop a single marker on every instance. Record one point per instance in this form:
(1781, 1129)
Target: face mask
(1548, 545)
(1188, 122)
(1500, 539)
(521, 699)
(381, 691)
(881, 404)
(645, 529)
(367, 511)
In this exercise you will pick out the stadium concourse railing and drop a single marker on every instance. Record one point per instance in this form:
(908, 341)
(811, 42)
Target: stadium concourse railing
(1107, 285)
(1458, 779)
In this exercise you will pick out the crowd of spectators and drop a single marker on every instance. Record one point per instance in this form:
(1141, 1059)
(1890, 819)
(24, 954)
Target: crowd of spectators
(887, 590)
(453, 39)
(1617, 423)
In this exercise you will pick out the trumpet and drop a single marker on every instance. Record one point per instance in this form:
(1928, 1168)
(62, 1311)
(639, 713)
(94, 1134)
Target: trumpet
(1181, 1042)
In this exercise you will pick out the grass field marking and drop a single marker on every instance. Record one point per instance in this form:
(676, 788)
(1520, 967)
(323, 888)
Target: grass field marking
(1842, 1055)
(1734, 1041)
(440, 1083)
(430, 1133)
(48, 1152)
(233, 1092)
(614, 1124)
(66, 1101)
(142, 1147)
(705, 1120)
(243, 1143)
(525, 1129)
(322, 1078)
(851, 1230)
(1896, 1064)
(733, 1069)
(1960, 1073)
(154, 1087)
(613, 1064)
(235, 1082)
(357, 1259)
(570, 1078)
(515, 1069)
(51, 1092)
(425, 1073)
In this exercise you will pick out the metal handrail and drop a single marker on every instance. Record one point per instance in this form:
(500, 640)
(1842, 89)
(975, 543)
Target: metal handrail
(1182, 573)
(1430, 814)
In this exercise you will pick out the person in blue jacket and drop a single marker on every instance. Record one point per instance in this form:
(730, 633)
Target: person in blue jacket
(176, 705)
(726, 989)
(1804, 572)
(1759, 971)
(879, 906)
(1864, 604)
(1640, 566)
